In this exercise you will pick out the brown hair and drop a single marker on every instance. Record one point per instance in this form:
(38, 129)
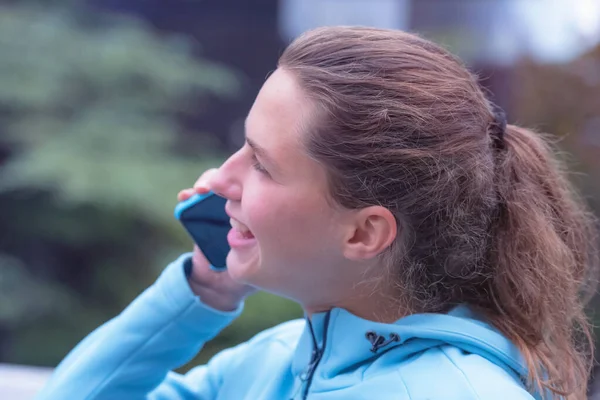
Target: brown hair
(487, 221)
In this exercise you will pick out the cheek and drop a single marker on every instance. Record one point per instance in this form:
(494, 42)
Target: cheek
(297, 227)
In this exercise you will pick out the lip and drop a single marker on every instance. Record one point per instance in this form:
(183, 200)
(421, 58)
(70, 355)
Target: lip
(230, 214)
(237, 241)
(234, 238)
(228, 210)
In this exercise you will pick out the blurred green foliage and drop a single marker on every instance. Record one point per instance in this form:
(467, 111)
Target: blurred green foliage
(93, 150)
(94, 110)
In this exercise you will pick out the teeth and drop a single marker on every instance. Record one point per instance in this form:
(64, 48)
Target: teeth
(239, 226)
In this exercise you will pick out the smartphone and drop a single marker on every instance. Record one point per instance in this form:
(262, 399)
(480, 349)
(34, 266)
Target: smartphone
(204, 218)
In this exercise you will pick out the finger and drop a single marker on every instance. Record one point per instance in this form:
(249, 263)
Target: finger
(185, 194)
(202, 185)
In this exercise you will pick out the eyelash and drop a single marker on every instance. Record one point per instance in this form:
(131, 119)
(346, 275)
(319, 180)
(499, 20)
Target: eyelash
(258, 166)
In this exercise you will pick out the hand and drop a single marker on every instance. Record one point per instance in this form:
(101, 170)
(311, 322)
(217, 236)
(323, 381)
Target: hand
(215, 288)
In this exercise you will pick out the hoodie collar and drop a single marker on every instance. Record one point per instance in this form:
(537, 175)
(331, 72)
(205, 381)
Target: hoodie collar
(346, 341)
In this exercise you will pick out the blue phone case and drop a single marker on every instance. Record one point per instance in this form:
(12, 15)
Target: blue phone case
(204, 218)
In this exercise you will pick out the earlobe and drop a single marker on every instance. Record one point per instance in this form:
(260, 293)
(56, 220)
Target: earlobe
(373, 231)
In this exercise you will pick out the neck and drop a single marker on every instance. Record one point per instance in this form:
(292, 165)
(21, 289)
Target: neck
(373, 305)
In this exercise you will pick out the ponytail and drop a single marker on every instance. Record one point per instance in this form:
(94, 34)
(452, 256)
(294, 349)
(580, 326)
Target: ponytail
(544, 247)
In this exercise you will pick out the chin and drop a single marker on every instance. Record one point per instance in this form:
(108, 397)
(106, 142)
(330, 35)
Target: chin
(243, 270)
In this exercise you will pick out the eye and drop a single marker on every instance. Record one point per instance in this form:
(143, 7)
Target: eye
(258, 166)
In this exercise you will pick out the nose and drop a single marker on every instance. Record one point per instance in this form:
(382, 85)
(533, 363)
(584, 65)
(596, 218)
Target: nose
(227, 181)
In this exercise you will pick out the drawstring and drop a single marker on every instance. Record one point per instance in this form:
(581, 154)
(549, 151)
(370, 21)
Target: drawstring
(317, 354)
(378, 341)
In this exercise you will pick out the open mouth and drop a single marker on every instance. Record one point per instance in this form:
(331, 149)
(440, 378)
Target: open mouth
(242, 229)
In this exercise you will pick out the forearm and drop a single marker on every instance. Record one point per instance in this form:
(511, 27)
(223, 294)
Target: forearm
(131, 355)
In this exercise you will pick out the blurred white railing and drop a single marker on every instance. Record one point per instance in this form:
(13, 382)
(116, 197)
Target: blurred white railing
(19, 382)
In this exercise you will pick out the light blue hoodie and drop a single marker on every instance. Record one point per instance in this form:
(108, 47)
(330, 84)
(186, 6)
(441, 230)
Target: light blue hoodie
(335, 355)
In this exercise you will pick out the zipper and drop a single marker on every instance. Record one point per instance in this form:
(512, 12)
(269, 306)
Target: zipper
(317, 354)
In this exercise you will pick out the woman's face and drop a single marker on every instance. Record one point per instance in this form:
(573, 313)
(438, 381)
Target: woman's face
(278, 193)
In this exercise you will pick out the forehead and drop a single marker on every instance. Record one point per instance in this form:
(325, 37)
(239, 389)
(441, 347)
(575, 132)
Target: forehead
(279, 115)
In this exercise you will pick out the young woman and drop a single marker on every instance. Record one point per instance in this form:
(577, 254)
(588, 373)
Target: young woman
(438, 252)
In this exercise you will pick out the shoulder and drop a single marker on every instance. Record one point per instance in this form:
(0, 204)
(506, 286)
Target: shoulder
(286, 334)
(449, 373)
(455, 374)
(274, 346)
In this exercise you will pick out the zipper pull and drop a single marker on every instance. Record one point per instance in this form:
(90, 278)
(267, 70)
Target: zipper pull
(314, 360)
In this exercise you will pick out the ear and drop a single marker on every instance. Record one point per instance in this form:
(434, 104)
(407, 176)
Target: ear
(373, 229)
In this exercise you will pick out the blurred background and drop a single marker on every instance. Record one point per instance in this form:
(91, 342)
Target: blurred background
(108, 108)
